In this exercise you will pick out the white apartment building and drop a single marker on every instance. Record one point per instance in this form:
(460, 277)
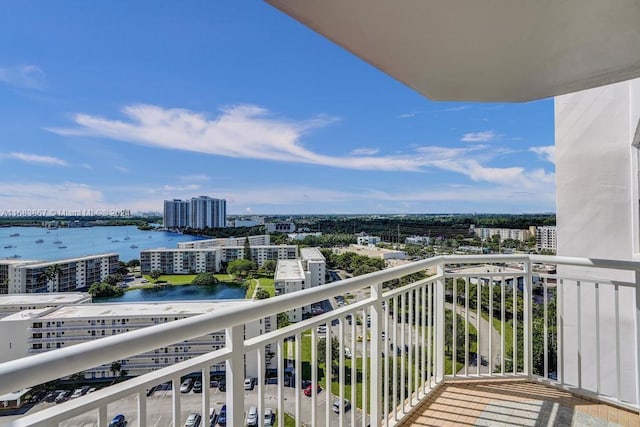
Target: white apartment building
(417, 240)
(294, 275)
(199, 212)
(546, 238)
(368, 240)
(259, 240)
(40, 330)
(314, 265)
(289, 278)
(280, 227)
(504, 233)
(211, 259)
(65, 275)
(14, 303)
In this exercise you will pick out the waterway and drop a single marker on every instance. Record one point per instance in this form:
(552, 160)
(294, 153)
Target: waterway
(180, 293)
(37, 243)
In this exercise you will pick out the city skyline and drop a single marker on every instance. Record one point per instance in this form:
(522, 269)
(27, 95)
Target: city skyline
(108, 107)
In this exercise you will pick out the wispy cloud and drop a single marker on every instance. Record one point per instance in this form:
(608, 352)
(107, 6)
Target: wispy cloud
(547, 153)
(364, 151)
(45, 195)
(248, 131)
(484, 136)
(86, 166)
(36, 158)
(122, 169)
(455, 109)
(27, 76)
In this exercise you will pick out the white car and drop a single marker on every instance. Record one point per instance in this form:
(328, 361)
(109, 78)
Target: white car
(347, 353)
(269, 417)
(248, 384)
(252, 417)
(193, 420)
(186, 385)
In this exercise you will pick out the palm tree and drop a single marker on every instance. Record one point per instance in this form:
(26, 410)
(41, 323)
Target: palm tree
(52, 274)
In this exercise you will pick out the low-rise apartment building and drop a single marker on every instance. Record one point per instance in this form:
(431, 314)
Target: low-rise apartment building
(294, 275)
(66, 275)
(40, 330)
(15, 303)
(211, 259)
(504, 233)
(259, 240)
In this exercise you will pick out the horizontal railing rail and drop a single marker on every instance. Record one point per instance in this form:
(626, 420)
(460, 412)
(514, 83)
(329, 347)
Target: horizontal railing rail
(410, 338)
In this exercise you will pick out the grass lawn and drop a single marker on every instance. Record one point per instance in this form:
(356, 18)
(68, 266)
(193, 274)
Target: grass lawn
(289, 421)
(183, 279)
(252, 284)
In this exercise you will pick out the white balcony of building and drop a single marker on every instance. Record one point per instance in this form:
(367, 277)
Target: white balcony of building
(475, 340)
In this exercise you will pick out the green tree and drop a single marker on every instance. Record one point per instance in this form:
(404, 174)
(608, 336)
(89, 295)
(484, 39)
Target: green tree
(114, 279)
(122, 268)
(262, 293)
(205, 279)
(241, 267)
(115, 368)
(134, 263)
(283, 320)
(105, 290)
(268, 268)
(335, 349)
(247, 249)
(155, 275)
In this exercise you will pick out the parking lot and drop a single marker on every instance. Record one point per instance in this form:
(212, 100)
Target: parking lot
(159, 407)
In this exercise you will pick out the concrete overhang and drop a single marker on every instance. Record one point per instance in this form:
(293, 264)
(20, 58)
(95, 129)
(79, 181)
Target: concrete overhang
(484, 50)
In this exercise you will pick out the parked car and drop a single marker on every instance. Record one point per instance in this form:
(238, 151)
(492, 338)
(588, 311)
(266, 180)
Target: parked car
(222, 418)
(80, 392)
(63, 396)
(197, 386)
(308, 389)
(269, 417)
(213, 417)
(322, 329)
(344, 403)
(151, 390)
(248, 384)
(222, 385)
(193, 420)
(186, 385)
(347, 353)
(118, 421)
(252, 417)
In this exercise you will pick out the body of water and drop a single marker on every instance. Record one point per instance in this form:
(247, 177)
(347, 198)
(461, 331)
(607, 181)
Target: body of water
(180, 293)
(38, 243)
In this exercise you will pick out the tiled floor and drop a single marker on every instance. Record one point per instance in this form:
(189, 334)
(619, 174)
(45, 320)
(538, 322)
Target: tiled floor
(514, 403)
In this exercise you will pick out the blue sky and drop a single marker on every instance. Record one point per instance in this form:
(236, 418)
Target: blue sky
(107, 105)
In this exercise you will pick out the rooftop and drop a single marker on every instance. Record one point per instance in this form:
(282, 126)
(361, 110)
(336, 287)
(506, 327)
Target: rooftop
(57, 298)
(38, 264)
(311, 254)
(143, 309)
(289, 269)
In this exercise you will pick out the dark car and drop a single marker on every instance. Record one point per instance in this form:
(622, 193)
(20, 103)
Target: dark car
(197, 386)
(222, 386)
(118, 421)
(222, 417)
(63, 396)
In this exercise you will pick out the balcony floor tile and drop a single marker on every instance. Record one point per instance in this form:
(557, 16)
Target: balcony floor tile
(514, 403)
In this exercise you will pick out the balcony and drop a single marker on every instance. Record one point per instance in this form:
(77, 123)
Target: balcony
(477, 340)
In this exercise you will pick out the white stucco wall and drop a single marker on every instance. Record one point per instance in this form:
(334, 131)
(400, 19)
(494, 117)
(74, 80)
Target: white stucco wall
(597, 211)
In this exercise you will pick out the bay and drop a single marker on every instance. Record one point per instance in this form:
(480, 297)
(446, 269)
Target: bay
(77, 242)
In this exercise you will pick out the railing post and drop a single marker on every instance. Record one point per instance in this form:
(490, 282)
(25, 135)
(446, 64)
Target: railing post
(142, 409)
(527, 318)
(102, 416)
(637, 349)
(175, 400)
(235, 375)
(206, 392)
(439, 323)
(376, 385)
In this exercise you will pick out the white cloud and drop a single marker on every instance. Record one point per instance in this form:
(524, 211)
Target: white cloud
(484, 136)
(36, 158)
(44, 195)
(364, 151)
(547, 153)
(248, 131)
(28, 76)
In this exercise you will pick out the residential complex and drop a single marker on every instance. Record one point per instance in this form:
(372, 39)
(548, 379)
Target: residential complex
(504, 233)
(11, 304)
(368, 240)
(43, 329)
(295, 275)
(67, 275)
(546, 238)
(208, 259)
(258, 240)
(199, 213)
(280, 227)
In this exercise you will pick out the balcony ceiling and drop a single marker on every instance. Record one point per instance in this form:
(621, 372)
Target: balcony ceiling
(484, 50)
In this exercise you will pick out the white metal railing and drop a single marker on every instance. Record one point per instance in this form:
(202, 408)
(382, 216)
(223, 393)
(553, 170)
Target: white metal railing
(407, 334)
